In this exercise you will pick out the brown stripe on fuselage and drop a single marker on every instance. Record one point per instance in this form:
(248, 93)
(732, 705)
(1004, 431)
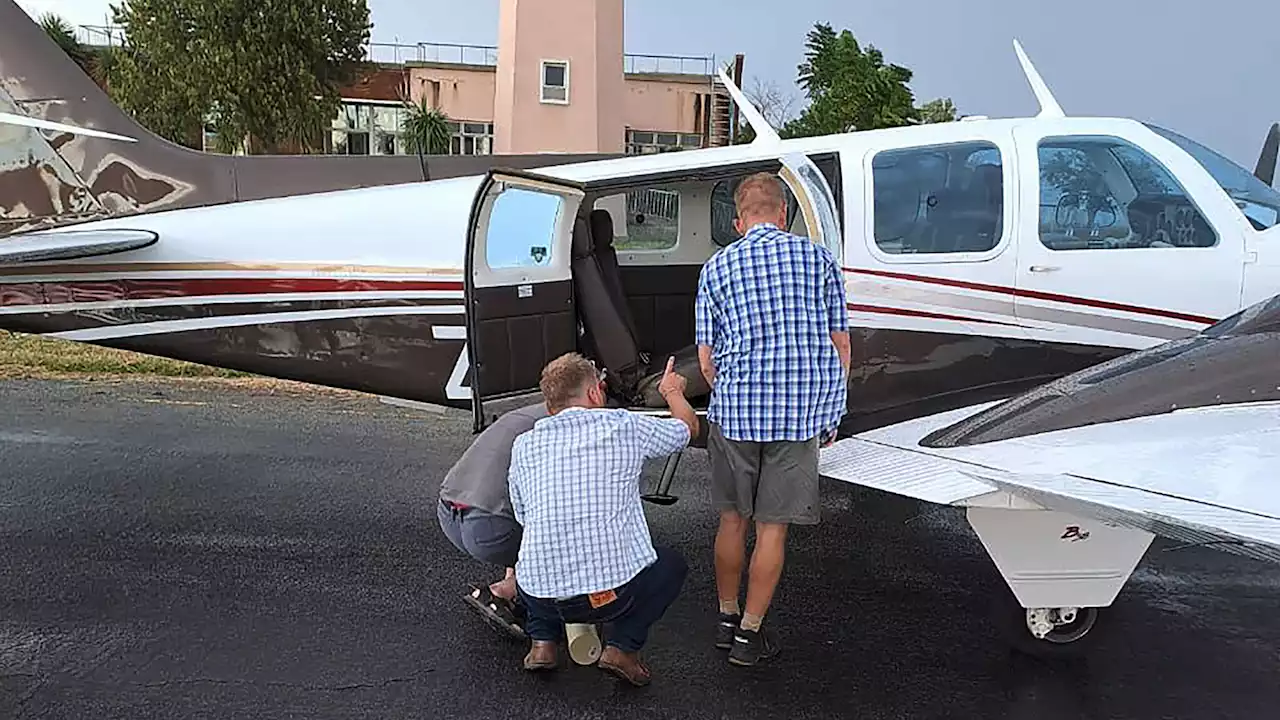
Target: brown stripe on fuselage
(64, 321)
(1036, 294)
(64, 292)
(1004, 306)
(94, 268)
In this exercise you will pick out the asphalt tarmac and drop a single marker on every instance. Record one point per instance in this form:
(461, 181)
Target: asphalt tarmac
(199, 551)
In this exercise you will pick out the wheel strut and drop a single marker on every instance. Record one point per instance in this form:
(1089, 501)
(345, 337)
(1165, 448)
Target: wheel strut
(660, 494)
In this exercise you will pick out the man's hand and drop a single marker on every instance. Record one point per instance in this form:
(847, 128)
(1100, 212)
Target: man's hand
(672, 389)
(672, 381)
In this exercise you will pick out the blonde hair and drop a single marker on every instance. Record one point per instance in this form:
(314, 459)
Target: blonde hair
(566, 378)
(759, 194)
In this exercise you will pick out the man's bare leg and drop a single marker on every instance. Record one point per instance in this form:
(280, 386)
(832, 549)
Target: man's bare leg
(731, 550)
(506, 587)
(766, 569)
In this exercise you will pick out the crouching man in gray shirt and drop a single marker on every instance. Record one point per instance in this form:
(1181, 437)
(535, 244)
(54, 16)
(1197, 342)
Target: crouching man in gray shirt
(475, 513)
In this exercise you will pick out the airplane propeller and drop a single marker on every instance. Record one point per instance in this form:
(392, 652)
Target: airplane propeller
(12, 119)
(1266, 168)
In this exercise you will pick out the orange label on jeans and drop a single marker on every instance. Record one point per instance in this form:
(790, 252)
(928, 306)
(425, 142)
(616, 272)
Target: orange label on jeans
(600, 599)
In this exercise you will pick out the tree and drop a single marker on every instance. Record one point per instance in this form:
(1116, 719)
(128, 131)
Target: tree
(95, 62)
(261, 72)
(849, 88)
(425, 128)
(938, 111)
(777, 107)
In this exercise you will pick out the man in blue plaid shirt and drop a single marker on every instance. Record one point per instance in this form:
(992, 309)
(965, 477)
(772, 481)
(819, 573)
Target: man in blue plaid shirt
(586, 556)
(773, 342)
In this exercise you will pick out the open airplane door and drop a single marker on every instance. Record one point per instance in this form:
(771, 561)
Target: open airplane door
(518, 285)
(817, 202)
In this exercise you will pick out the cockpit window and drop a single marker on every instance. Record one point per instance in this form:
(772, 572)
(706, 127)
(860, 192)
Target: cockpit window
(1259, 202)
(1263, 317)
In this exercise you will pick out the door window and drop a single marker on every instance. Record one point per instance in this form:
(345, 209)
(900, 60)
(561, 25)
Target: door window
(1105, 193)
(521, 230)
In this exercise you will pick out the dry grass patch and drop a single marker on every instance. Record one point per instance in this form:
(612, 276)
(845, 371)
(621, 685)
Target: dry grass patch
(36, 357)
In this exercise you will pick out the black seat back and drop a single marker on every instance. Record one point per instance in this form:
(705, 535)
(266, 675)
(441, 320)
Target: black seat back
(607, 257)
(606, 333)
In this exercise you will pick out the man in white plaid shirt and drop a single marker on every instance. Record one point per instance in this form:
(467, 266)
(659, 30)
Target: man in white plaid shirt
(586, 556)
(773, 343)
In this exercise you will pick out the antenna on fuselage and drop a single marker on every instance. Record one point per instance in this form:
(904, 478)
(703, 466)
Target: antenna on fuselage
(1049, 106)
(24, 121)
(1266, 167)
(765, 134)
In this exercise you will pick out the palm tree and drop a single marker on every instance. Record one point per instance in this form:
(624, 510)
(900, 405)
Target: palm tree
(425, 128)
(93, 62)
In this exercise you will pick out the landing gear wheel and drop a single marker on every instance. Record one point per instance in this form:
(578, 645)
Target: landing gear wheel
(1049, 633)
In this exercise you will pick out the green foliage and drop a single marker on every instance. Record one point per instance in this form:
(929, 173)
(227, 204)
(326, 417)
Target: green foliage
(426, 129)
(266, 70)
(849, 88)
(938, 111)
(95, 62)
(62, 33)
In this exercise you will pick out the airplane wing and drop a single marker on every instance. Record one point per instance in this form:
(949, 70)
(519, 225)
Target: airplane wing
(71, 244)
(1203, 475)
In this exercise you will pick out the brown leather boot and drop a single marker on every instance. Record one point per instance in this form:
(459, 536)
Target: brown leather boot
(543, 655)
(625, 665)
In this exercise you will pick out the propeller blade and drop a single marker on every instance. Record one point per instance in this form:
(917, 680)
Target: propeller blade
(1266, 169)
(11, 119)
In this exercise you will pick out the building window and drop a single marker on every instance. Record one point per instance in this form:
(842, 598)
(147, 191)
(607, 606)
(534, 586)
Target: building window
(555, 82)
(470, 138)
(647, 142)
(1104, 193)
(363, 128)
(938, 199)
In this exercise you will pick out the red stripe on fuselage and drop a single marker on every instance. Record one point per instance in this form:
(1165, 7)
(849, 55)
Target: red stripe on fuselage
(59, 292)
(1037, 294)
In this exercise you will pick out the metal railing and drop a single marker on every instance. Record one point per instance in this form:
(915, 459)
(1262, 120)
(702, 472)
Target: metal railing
(458, 54)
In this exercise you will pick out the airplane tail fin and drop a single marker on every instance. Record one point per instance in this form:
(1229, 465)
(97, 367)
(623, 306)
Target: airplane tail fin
(1266, 168)
(84, 168)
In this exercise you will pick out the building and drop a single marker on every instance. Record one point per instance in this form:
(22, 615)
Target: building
(559, 68)
(670, 103)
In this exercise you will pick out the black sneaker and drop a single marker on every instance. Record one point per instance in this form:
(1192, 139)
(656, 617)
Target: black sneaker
(724, 631)
(751, 646)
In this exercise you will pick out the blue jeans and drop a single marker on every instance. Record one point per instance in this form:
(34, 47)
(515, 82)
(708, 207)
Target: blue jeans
(641, 602)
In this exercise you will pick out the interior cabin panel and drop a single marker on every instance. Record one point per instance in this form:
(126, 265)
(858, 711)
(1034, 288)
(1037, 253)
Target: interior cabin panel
(517, 336)
(661, 298)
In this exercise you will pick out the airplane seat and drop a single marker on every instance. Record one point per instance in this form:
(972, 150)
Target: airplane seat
(608, 338)
(986, 218)
(604, 331)
(601, 222)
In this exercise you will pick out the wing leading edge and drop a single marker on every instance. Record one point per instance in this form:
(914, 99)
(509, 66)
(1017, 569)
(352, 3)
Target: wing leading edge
(71, 244)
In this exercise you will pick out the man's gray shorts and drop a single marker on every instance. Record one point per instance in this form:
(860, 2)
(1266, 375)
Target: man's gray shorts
(768, 482)
(485, 537)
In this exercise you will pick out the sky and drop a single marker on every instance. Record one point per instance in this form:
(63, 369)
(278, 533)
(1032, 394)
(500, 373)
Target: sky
(1205, 69)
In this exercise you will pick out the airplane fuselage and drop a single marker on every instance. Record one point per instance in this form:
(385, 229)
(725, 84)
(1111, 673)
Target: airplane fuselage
(981, 258)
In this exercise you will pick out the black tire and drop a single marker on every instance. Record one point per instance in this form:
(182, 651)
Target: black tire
(1065, 642)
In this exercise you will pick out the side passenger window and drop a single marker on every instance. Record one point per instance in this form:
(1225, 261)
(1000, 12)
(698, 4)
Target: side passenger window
(1105, 193)
(652, 218)
(723, 213)
(938, 199)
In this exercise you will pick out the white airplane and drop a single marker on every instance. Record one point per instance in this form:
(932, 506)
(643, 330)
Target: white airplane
(983, 258)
